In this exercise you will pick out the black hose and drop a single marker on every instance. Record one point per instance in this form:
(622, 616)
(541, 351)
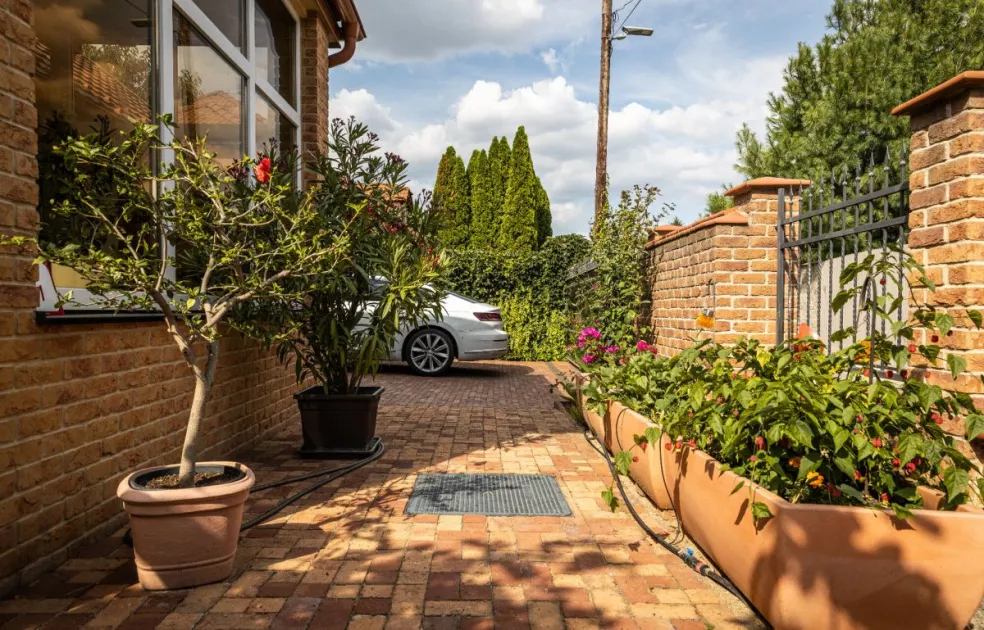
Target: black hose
(688, 558)
(378, 449)
(329, 475)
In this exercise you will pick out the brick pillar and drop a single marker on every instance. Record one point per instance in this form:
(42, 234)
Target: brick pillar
(748, 264)
(947, 215)
(315, 40)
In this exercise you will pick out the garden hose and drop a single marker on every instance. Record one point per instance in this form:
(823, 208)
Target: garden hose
(686, 555)
(378, 449)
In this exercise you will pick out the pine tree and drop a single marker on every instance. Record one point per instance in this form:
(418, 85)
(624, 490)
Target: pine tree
(518, 230)
(544, 220)
(457, 226)
(482, 227)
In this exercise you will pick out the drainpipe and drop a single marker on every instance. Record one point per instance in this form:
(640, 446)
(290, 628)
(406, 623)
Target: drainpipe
(346, 53)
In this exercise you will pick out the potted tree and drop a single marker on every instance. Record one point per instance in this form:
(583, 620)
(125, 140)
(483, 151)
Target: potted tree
(349, 317)
(235, 235)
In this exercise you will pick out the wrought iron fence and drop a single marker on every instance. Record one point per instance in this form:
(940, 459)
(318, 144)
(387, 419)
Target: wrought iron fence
(821, 229)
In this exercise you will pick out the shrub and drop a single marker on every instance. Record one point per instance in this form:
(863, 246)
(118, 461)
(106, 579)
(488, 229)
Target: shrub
(811, 427)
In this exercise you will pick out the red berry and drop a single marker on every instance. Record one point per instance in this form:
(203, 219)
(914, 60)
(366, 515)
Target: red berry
(910, 467)
(736, 413)
(867, 373)
(934, 338)
(889, 373)
(882, 281)
(753, 459)
(895, 462)
(635, 459)
(857, 476)
(859, 418)
(904, 373)
(935, 417)
(912, 348)
(643, 446)
(720, 400)
(760, 442)
(693, 443)
(884, 497)
(949, 333)
(835, 492)
(669, 446)
(876, 442)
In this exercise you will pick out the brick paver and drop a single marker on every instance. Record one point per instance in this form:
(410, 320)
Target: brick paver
(346, 556)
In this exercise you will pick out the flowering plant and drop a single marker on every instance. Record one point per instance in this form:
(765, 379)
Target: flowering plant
(814, 426)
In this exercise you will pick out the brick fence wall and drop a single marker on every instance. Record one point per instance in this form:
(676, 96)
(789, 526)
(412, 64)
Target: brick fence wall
(82, 406)
(736, 251)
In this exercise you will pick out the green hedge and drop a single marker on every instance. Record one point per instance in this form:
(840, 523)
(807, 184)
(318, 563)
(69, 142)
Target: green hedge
(531, 290)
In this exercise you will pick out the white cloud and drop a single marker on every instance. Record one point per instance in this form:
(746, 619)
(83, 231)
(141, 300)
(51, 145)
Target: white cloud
(684, 150)
(402, 31)
(550, 59)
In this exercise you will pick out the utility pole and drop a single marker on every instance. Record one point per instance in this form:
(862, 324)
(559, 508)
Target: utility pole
(601, 163)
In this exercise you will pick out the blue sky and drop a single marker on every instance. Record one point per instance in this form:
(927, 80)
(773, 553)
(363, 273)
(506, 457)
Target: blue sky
(440, 72)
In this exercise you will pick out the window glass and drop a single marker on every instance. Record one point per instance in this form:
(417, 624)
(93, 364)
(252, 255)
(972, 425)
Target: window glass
(228, 16)
(94, 72)
(208, 94)
(272, 126)
(274, 47)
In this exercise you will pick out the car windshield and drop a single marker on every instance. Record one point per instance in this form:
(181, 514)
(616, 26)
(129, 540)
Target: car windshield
(461, 297)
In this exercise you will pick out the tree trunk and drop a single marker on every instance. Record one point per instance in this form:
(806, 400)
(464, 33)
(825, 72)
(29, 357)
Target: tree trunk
(203, 386)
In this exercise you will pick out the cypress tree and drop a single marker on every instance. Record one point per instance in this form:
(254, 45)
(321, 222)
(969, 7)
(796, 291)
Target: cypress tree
(482, 232)
(442, 186)
(518, 230)
(499, 160)
(544, 219)
(455, 229)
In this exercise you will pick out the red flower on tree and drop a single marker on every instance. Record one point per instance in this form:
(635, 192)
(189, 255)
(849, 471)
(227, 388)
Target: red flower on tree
(263, 170)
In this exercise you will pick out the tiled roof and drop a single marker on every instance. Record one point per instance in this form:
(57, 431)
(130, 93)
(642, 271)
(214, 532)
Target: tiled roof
(97, 82)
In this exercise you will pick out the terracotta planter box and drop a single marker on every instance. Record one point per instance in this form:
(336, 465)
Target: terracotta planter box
(185, 537)
(595, 421)
(822, 566)
(655, 472)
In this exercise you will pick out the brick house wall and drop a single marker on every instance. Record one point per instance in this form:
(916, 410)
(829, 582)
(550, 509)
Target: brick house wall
(81, 406)
(736, 251)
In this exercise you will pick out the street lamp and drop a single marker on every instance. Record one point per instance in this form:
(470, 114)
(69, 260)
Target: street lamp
(607, 37)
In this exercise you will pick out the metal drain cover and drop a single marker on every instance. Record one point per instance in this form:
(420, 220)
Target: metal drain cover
(491, 495)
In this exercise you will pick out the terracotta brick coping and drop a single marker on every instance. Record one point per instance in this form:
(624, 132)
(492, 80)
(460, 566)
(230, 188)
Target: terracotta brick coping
(766, 184)
(959, 83)
(663, 234)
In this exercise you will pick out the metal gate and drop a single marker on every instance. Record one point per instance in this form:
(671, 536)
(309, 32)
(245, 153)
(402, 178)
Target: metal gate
(821, 229)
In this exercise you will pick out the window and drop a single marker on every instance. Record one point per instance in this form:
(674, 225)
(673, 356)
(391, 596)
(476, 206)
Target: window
(225, 70)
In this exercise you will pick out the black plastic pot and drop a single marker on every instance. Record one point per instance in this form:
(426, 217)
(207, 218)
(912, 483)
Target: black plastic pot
(338, 426)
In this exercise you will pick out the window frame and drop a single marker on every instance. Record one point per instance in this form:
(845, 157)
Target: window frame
(256, 87)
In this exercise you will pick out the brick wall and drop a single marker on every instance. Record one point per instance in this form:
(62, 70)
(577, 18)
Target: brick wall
(736, 249)
(947, 218)
(82, 406)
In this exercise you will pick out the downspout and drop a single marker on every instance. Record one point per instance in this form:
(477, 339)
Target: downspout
(346, 53)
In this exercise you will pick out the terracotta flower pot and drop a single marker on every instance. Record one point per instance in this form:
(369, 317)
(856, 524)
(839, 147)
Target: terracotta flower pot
(185, 537)
(595, 421)
(649, 472)
(838, 567)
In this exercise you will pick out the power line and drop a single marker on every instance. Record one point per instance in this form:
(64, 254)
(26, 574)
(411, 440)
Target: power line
(638, 2)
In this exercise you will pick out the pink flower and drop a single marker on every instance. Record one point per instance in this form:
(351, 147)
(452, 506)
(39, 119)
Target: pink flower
(590, 332)
(611, 349)
(588, 358)
(642, 346)
(580, 343)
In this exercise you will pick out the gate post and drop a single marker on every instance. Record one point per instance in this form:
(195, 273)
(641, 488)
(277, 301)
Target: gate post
(947, 217)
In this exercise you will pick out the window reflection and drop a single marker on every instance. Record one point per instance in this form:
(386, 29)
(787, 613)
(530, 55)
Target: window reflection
(208, 94)
(94, 73)
(272, 127)
(274, 47)
(227, 15)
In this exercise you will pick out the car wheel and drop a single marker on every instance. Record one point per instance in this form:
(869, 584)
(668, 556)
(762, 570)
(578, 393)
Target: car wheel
(430, 352)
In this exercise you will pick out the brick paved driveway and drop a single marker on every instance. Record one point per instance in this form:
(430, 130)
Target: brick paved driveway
(347, 556)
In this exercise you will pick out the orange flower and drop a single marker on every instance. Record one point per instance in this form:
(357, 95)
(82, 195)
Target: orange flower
(795, 462)
(263, 170)
(863, 355)
(705, 320)
(814, 479)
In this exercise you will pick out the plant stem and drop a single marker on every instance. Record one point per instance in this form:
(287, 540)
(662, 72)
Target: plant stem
(203, 385)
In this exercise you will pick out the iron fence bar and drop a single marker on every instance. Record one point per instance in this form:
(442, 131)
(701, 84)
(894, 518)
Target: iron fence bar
(884, 192)
(781, 269)
(896, 221)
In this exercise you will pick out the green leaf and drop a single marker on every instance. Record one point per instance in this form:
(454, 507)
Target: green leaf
(944, 322)
(190, 303)
(809, 463)
(845, 465)
(760, 511)
(852, 492)
(741, 484)
(975, 425)
(623, 460)
(956, 481)
(901, 512)
(841, 299)
(910, 446)
(931, 352)
(976, 317)
(802, 432)
(608, 496)
(957, 364)
(926, 282)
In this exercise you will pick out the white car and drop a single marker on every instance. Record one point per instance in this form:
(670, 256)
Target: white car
(469, 331)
